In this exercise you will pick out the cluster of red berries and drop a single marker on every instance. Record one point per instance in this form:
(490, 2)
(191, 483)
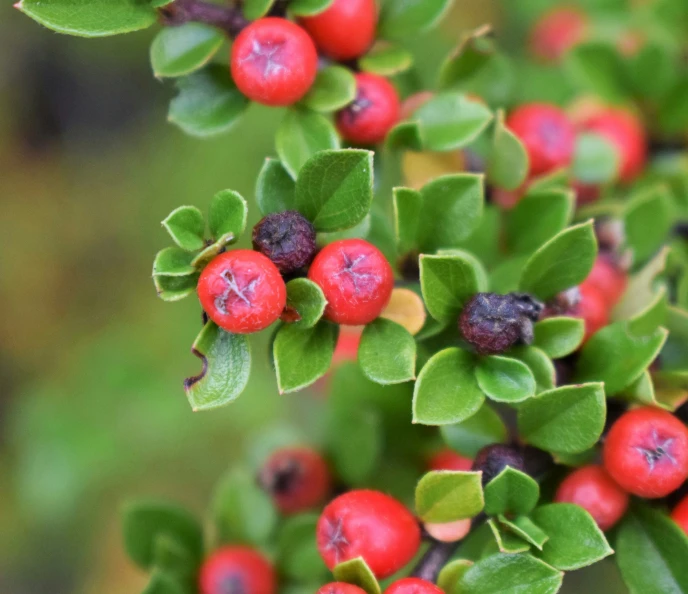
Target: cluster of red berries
(244, 291)
(274, 61)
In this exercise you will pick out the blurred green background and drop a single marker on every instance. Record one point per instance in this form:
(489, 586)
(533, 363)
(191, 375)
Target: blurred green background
(92, 409)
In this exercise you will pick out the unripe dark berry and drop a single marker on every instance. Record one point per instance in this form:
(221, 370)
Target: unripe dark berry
(492, 459)
(591, 488)
(413, 585)
(274, 62)
(447, 459)
(237, 569)
(556, 32)
(242, 291)
(493, 323)
(680, 514)
(373, 113)
(340, 588)
(345, 30)
(646, 452)
(548, 135)
(371, 525)
(356, 279)
(609, 279)
(287, 239)
(297, 478)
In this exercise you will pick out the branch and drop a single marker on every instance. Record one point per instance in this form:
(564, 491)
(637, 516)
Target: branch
(228, 18)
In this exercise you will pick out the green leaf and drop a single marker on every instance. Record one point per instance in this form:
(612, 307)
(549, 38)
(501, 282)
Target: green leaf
(256, 9)
(227, 214)
(447, 283)
(302, 355)
(653, 316)
(356, 572)
(450, 121)
(275, 189)
(163, 583)
(208, 253)
(617, 356)
(242, 512)
(302, 134)
(298, 557)
(508, 162)
(144, 522)
(452, 209)
(473, 53)
(672, 113)
(404, 136)
(568, 419)
(647, 221)
(333, 89)
(510, 574)
(226, 368)
(451, 573)
(386, 59)
(405, 18)
(511, 491)
(575, 540)
(407, 208)
(173, 261)
(597, 67)
(504, 379)
(174, 559)
(448, 496)
(387, 353)
(561, 263)
(470, 436)
(186, 227)
(596, 159)
(524, 528)
(507, 541)
(355, 444)
(651, 551)
(177, 51)
(537, 218)
(207, 103)
(335, 189)
(560, 336)
(539, 363)
(174, 288)
(307, 300)
(446, 390)
(308, 7)
(90, 18)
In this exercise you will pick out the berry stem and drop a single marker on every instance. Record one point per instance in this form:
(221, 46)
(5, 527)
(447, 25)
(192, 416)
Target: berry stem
(230, 19)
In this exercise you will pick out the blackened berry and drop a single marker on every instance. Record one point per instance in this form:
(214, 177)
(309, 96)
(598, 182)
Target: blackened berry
(492, 459)
(493, 323)
(287, 238)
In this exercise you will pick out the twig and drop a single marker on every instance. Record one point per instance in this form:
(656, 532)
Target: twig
(228, 18)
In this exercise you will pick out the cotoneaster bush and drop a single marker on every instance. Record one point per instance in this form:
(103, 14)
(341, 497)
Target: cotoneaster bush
(498, 347)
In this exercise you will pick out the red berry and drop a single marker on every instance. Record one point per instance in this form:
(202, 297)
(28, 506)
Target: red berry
(592, 308)
(345, 30)
(347, 345)
(413, 585)
(340, 588)
(274, 62)
(547, 133)
(646, 452)
(237, 569)
(242, 291)
(447, 459)
(297, 478)
(608, 279)
(591, 488)
(373, 113)
(371, 525)
(356, 278)
(625, 131)
(680, 514)
(556, 32)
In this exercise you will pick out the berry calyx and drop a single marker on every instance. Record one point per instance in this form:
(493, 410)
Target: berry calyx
(556, 32)
(297, 478)
(237, 569)
(413, 585)
(646, 452)
(493, 323)
(371, 525)
(591, 488)
(547, 134)
(340, 588)
(287, 239)
(274, 62)
(680, 514)
(242, 291)
(447, 459)
(610, 280)
(345, 30)
(356, 279)
(492, 459)
(372, 114)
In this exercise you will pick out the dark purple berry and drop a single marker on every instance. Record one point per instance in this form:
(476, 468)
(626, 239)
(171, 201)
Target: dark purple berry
(287, 238)
(492, 459)
(493, 323)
